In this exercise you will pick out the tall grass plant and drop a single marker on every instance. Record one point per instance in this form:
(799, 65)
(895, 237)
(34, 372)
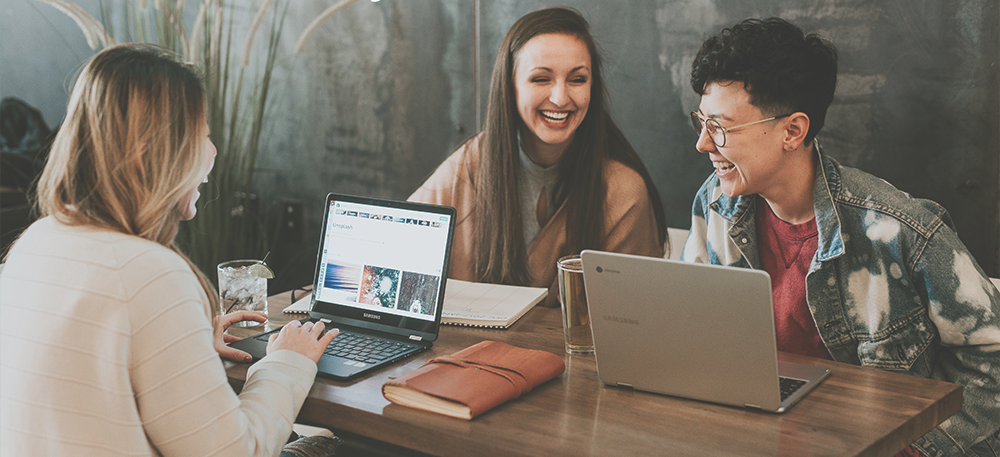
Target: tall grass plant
(230, 223)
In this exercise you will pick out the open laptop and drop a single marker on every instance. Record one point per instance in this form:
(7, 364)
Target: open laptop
(704, 332)
(380, 277)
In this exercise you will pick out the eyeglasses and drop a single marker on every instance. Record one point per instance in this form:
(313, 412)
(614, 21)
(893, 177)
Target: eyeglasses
(717, 132)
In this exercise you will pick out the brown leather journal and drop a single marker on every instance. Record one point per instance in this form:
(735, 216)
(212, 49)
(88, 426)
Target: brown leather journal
(471, 381)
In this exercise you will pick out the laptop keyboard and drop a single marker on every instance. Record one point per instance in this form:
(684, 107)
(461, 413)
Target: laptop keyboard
(366, 348)
(360, 347)
(789, 386)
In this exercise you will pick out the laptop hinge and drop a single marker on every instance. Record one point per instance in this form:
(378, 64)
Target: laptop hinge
(416, 338)
(748, 405)
(622, 384)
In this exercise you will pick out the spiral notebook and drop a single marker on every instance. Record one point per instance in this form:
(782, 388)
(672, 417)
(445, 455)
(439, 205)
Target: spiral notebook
(301, 306)
(478, 304)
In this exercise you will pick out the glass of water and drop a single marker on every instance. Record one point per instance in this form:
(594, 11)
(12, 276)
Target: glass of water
(243, 286)
(573, 300)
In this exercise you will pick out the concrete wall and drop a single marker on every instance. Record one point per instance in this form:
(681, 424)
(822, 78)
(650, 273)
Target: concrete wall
(387, 89)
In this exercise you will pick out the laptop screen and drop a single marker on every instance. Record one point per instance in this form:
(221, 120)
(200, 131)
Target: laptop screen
(383, 263)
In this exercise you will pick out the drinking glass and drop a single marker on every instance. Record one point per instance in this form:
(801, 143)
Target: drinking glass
(241, 287)
(573, 300)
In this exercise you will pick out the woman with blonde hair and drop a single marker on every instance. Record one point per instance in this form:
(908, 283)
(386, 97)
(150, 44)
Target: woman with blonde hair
(107, 333)
(550, 174)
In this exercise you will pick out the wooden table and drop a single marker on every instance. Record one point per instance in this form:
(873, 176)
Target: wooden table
(856, 411)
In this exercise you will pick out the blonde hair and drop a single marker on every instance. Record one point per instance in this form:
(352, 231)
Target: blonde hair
(130, 147)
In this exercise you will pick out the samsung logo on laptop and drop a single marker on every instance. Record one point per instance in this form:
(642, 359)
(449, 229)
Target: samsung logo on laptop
(621, 320)
(372, 316)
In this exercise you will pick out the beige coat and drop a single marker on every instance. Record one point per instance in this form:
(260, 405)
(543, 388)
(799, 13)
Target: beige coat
(630, 224)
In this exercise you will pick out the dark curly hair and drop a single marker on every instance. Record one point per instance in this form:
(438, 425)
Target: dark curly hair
(781, 68)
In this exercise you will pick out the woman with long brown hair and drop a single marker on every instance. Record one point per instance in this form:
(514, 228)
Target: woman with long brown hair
(106, 327)
(550, 174)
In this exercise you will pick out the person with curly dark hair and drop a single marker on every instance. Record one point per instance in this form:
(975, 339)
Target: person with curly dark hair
(861, 272)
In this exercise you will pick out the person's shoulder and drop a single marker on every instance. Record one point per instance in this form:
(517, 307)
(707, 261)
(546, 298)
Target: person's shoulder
(127, 251)
(618, 169)
(460, 163)
(865, 191)
(98, 245)
(453, 178)
(623, 180)
(100, 259)
(466, 154)
(152, 275)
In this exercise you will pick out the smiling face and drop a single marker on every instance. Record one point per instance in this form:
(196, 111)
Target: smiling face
(552, 77)
(187, 204)
(752, 161)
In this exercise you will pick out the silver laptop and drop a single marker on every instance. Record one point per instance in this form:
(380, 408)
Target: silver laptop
(704, 332)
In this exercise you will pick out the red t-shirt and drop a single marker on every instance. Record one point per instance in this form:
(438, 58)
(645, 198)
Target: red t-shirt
(786, 251)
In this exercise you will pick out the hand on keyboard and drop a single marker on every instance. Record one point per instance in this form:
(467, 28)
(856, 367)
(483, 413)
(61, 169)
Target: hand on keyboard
(307, 339)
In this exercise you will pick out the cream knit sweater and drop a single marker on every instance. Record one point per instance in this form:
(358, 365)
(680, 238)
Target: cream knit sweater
(106, 349)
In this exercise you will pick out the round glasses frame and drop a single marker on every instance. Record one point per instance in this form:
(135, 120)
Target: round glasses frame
(715, 130)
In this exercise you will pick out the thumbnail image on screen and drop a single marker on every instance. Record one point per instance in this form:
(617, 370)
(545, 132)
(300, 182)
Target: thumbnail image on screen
(379, 286)
(418, 293)
(343, 278)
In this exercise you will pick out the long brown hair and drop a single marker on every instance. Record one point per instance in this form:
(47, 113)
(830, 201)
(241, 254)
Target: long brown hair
(129, 149)
(501, 254)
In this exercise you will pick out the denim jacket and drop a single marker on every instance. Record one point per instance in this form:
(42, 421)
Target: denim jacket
(890, 286)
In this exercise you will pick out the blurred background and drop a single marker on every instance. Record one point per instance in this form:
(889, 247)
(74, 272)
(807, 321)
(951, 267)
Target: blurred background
(385, 90)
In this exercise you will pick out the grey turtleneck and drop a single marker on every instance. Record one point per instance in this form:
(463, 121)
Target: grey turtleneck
(532, 180)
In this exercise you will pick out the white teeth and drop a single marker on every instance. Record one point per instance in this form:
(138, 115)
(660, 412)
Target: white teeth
(723, 166)
(555, 115)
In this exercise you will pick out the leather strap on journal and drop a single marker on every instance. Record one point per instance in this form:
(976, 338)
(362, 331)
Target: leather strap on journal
(518, 380)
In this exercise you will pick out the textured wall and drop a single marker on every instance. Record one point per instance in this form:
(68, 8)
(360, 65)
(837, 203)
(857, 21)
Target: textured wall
(386, 90)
